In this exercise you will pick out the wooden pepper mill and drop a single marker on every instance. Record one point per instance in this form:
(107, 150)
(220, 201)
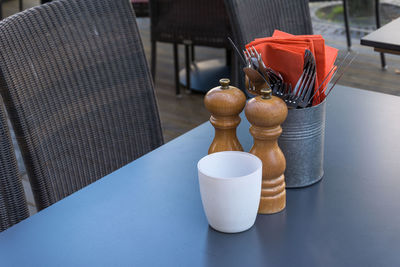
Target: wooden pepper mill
(266, 113)
(225, 104)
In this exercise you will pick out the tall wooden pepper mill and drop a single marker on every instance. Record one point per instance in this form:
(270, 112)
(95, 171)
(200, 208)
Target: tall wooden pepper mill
(225, 103)
(266, 113)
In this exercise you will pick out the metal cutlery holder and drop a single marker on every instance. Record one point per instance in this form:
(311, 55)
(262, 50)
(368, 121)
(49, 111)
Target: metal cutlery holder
(302, 143)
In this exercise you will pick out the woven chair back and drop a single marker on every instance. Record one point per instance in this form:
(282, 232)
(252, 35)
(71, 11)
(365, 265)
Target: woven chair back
(78, 91)
(13, 207)
(202, 22)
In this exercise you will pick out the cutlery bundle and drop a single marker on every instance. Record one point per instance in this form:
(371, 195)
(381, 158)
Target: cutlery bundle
(298, 69)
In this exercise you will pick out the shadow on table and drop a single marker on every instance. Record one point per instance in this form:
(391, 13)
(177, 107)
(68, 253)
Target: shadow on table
(279, 238)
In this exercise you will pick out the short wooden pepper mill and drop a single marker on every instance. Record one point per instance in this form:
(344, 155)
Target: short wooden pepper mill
(266, 113)
(225, 104)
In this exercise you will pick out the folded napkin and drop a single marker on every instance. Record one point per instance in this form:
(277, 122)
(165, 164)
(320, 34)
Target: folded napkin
(284, 53)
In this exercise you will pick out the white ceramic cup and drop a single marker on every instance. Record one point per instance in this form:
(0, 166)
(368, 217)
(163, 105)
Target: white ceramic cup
(230, 188)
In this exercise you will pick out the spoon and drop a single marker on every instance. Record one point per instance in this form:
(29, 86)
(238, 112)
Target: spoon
(255, 79)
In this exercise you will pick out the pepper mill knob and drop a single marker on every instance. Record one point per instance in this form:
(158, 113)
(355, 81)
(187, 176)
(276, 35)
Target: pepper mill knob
(266, 113)
(266, 93)
(224, 83)
(225, 103)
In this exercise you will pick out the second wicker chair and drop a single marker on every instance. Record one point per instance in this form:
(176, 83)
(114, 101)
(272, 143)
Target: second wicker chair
(252, 19)
(188, 22)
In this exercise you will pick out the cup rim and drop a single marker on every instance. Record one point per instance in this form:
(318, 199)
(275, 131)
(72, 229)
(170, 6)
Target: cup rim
(247, 154)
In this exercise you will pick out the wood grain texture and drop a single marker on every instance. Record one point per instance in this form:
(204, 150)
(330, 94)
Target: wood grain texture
(266, 116)
(225, 104)
(381, 50)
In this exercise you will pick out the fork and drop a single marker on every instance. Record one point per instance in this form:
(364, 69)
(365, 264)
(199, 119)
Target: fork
(304, 87)
(254, 60)
(266, 71)
(342, 66)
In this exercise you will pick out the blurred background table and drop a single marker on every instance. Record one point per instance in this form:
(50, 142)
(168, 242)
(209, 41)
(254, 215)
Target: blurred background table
(385, 39)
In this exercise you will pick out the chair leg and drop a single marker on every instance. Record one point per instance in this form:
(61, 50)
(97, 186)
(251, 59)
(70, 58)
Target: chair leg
(228, 57)
(378, 25)
(153, 59)
(187, 60)
(383, 61)
(1, 9)
(176, 67)
(192, 52)
(21, 5)
(346, 23)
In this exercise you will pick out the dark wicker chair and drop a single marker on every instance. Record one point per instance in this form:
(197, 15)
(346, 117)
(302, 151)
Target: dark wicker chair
(13, 207)
(188, 22)
(78, 91)
(141, 8)
(252, 19)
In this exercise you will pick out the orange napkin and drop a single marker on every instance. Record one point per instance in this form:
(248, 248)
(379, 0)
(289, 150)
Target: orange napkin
(284, 56)
(284, 53)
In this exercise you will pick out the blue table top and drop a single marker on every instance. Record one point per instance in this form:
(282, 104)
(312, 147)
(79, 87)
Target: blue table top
(149, 213)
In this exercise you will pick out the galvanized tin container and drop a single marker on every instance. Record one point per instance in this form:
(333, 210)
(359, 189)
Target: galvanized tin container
(302, 143)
